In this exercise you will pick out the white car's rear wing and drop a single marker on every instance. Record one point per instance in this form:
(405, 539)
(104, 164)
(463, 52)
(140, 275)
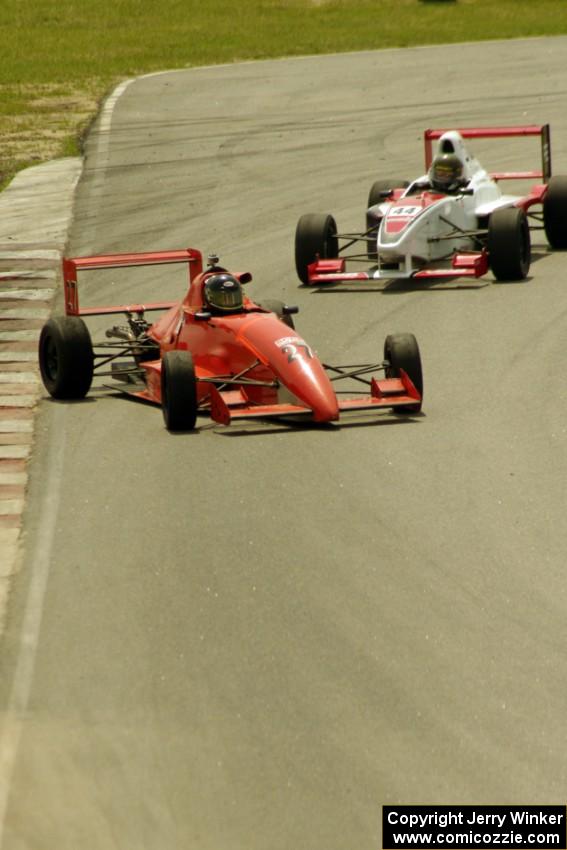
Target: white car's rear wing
(541, 130)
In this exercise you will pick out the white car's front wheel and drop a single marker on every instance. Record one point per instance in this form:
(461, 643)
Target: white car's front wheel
(315, 237)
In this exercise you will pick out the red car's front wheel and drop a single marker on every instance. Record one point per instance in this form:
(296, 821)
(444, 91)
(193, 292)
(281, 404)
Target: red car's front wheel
(401, 351)
(178, 391)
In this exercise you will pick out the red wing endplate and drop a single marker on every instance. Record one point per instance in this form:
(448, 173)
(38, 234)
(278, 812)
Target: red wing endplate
(389, 392)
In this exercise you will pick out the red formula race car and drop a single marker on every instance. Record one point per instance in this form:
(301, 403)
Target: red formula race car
(452, 221)
(215, 351)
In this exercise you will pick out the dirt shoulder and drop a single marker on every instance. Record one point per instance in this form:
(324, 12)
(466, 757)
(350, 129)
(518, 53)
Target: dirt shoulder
(42, 122)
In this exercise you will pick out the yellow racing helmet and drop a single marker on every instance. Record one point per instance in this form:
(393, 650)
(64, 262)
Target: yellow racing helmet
(446, 172)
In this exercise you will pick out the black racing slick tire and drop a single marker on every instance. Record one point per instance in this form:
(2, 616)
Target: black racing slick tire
(178, 391)
(509, 244)
(66, 359)
(379, 192)
(277, 307)
(555, 213)
(401, 351)
(315, 236)
(380, 189)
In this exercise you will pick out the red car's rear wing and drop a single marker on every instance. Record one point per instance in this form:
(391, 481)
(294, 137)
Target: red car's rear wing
(72, 266)
(541, 130)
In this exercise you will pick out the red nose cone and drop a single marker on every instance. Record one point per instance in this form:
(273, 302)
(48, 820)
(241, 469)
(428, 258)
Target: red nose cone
(325, 407)
(302, 373)
(295, 364)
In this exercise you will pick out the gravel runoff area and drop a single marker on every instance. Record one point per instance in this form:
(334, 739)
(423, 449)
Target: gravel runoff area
(35, 214)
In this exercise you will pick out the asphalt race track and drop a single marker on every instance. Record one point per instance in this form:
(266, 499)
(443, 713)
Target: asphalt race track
(253, 638)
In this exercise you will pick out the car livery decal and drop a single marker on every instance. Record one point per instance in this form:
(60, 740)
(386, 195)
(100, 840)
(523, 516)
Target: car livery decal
(294, 347)
(400, 216)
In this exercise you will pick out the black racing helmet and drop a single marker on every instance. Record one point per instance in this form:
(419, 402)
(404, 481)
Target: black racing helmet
(223, 293)
(446, 172)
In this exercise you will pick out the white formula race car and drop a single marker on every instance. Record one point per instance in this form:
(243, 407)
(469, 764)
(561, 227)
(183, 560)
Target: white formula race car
(452, 221)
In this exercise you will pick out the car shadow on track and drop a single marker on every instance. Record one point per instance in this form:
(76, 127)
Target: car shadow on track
(258, 429)
(67, 401)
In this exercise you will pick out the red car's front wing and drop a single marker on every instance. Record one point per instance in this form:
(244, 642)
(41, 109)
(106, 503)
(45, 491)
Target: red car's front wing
(225, 406)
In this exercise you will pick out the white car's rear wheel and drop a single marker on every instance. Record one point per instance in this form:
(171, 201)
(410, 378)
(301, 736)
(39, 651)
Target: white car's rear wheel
(509, 244)
(555, 212)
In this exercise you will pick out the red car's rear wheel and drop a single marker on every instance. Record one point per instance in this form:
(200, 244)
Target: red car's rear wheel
(277, 307)
(66, 359)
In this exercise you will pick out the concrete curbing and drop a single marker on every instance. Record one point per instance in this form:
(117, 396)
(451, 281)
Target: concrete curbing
(36, 211)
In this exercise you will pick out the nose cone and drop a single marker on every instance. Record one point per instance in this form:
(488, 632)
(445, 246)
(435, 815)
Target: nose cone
(322, 399)
(305, 377)
(295, 365)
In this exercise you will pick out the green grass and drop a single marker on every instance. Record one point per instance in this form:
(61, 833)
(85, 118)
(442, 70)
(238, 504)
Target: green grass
(60, 57)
